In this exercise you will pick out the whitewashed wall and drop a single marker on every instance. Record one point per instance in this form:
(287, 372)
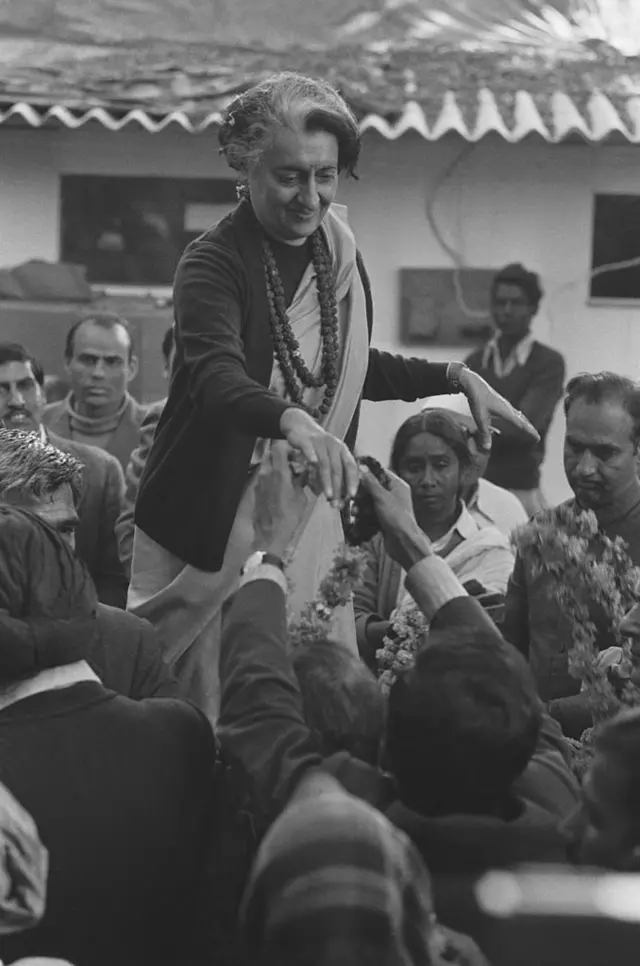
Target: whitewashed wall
(530, 203)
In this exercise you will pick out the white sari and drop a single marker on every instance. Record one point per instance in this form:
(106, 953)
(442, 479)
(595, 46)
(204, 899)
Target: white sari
(184, 603)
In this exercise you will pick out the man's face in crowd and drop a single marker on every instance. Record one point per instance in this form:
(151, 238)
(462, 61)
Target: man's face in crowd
(22, 400)
(600, 453)
(57, 508)
(605, 832)
(101, 367)
(511, 310)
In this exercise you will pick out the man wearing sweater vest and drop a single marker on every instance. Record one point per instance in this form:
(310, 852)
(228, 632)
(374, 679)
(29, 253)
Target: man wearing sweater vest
(530, 375)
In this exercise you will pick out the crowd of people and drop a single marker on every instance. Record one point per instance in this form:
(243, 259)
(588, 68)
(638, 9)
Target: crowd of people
(181, 782)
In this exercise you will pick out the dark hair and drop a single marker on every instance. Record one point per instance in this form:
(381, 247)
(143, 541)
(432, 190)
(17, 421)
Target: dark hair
(597, 387)
(16, 352)
(343, 704)
(292, 101)
(33, 468)
(106, 320)
(439, 423)
(168, 343)
(516, 274)
(463, 723)
(619, 739)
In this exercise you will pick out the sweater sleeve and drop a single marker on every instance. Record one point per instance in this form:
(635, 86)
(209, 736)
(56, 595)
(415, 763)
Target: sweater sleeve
(209, 292)
(125, 525)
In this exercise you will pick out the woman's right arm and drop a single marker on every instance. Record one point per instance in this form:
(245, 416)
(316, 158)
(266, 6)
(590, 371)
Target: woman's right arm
(209, 293)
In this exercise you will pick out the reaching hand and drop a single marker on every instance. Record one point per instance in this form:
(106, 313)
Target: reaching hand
(336, 470)
(403, 539)
(280, 501)
(485, 402)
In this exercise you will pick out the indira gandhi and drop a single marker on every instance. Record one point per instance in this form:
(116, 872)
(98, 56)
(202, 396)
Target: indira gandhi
(274, 316)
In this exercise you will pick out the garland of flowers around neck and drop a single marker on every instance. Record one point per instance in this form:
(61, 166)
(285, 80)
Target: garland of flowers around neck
(336, 589)
(585, 567)
(296, 375)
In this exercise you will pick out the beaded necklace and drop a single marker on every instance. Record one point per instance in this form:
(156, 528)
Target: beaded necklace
(297, 376)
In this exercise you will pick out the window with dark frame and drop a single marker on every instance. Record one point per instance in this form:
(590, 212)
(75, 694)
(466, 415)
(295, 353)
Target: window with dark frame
(132, 231)
(616, 238)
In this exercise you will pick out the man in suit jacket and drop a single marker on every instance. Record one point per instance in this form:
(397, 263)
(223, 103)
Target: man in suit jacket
(99, 411)
(102, 490)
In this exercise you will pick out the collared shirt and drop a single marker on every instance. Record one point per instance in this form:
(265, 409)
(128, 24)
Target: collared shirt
(464, 527)
(518, 356)
(495, 506)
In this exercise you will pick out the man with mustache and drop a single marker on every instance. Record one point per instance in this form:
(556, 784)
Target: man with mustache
(601, 448)
(22, 403)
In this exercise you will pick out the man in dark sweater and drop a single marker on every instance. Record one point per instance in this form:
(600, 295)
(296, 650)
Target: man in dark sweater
(122, 791)
(600, 460)
(530, 375)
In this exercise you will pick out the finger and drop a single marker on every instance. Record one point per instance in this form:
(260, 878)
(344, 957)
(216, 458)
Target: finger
(325, 472)
(280, 457)
(480, 413)
(308, 450)
(373, 486)
(352, 475)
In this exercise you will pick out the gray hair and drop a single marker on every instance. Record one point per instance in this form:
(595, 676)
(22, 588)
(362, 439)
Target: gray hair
(291, 101)
(32, 469)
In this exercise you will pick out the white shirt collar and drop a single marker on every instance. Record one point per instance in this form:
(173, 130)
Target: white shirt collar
(465, 527)
(518, 356)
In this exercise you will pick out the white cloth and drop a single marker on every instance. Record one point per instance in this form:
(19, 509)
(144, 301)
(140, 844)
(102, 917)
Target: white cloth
(185, 603)
(491, 358)
(484, 554)
(498, 507)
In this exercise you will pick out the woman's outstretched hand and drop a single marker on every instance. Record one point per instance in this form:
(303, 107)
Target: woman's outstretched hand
(336, 470)
(485, 402)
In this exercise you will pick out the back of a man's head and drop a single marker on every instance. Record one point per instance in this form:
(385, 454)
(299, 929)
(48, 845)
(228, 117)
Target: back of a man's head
(343, 704)
(32, 470)
(462, 725)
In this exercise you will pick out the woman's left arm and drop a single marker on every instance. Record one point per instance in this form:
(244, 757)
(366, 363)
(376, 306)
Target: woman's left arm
(391, 376)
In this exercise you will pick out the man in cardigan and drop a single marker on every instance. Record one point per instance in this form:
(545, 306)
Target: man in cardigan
(99, 411)
(530, 375)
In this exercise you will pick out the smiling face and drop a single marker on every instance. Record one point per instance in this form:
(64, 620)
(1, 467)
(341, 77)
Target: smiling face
(600, 454)
(22, 400)
(432, 470)
(294, 183)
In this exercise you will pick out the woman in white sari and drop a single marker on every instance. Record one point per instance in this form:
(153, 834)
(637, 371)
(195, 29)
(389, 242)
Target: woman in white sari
(435, 453)
(273, 316)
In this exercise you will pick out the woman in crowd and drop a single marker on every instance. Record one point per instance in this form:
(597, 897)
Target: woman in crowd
(435, 454)
(274, 319)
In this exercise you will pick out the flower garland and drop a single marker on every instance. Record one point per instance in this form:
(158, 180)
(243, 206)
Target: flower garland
(296, 375)
(316, 619)
(409, 628)
(586, 568)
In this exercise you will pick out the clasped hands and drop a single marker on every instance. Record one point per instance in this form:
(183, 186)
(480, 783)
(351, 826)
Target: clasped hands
(283, 495)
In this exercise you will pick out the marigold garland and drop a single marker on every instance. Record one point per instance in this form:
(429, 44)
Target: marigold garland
(409, 628)
(586, 567)
(336, 589)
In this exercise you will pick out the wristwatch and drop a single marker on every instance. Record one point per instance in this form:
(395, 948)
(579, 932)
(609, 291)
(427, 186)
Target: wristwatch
(262, 558)
(454, 371)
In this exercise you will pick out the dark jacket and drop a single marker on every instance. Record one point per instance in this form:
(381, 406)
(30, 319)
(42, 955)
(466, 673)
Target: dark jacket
(536, 389)
(122, 793)
(98, 509)
(122, 440)
(127, 656)
(219, 401)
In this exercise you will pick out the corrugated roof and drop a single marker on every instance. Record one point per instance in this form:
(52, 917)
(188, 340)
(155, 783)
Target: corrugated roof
(434, 90)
